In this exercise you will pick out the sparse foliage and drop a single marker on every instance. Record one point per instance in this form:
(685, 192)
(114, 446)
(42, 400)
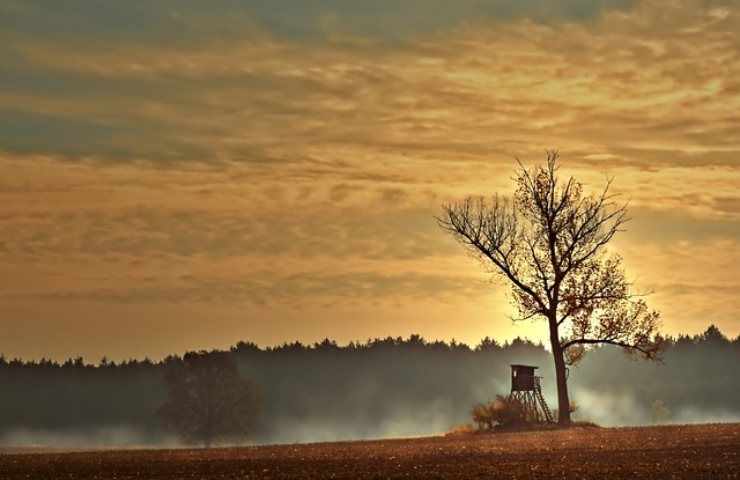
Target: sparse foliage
(208, 399)
(504, 411)
(462, 429)
(573, 408)
(482, 416)
(549, 242)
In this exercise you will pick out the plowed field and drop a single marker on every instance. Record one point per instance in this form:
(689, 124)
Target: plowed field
(695, 451)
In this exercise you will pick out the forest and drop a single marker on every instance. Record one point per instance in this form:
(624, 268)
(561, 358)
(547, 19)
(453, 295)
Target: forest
(381, 388)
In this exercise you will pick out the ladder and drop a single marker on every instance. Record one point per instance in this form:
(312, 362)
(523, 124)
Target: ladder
(543, 403)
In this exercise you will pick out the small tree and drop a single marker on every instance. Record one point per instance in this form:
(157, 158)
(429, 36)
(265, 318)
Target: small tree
(208, 399)
(549, 242)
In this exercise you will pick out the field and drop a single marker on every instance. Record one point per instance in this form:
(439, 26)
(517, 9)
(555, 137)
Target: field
(695, 451)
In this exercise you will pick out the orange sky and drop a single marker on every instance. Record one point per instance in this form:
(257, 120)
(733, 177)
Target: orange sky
(176, 178)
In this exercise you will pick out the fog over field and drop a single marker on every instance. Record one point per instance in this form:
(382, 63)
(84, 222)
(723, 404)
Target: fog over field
(385, 388)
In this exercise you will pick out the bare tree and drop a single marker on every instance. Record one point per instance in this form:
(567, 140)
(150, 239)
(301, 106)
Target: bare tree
(549, 243)
(208, 399)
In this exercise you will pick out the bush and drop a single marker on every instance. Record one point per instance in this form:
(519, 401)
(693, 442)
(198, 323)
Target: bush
(462, 429)
(483, 416)
(504, 412)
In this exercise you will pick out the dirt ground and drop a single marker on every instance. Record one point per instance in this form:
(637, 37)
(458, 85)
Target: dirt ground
(689, 451)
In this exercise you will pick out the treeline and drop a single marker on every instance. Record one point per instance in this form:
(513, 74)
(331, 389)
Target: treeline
(413, 342)
(383, 387)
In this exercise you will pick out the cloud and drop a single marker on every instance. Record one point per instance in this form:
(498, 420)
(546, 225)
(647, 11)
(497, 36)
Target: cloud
(257, 151)
(460, 91)
(188, 22)
(266, 288)
(21, 132)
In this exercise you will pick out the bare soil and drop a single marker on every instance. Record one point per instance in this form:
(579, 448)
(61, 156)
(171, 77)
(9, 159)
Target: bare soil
(685, 451)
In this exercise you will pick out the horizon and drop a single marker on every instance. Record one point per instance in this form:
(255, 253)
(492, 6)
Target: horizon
(472, 346)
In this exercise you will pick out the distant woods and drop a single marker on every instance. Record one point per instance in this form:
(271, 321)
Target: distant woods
(382, 387)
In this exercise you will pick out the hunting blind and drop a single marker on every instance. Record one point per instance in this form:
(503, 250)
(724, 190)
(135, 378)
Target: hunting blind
(525, 388)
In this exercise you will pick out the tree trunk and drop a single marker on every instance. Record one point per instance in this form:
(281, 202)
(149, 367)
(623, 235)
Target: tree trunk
(562, 383)
(560, 374)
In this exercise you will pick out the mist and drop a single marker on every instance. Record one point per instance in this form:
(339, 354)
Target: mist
(87, 437)
(380, 389)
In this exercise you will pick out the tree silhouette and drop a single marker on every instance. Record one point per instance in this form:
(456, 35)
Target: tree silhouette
(208, 399)
(549, 243)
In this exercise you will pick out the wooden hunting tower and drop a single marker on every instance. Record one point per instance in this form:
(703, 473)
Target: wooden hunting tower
(525, 387)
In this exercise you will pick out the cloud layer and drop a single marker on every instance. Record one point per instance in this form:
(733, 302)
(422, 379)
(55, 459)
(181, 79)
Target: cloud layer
(292, 156)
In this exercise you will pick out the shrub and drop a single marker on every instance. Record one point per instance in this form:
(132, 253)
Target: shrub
(504, 412)
(462, 429)
(482, 416)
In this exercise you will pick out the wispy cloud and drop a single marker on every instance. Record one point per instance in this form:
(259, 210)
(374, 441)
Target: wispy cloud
(236, 152)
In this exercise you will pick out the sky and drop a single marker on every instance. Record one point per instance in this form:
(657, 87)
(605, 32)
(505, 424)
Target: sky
(180, 175)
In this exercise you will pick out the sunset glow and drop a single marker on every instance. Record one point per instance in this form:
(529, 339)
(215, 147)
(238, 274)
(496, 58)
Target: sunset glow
(183, 176)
